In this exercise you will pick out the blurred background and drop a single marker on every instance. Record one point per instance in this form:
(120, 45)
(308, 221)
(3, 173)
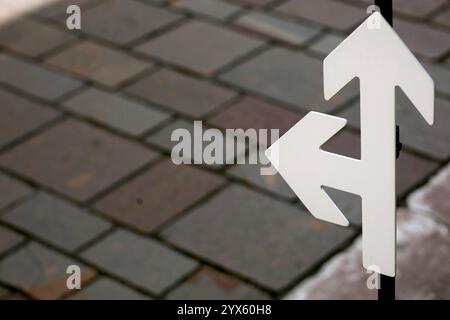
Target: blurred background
(86, 176)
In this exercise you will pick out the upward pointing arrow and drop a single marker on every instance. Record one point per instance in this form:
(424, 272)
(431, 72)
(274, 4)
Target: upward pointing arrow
(381, 61)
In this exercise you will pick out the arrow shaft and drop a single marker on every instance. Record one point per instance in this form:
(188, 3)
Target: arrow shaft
(378, 161)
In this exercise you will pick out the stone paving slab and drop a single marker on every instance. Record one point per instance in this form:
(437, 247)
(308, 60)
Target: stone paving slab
(181, 93)
(278, 28)
(288, 76)
(210, 284)
(56, 221)
(16, 37)
(163, 140)
(121, 21)
(107, 289)
(11, 190)
(116, 111)
(214, 47)
(34, 79)
(212, 8)
(142, 261)
(8, 239)
(238, 229)
(330, 13)
(422, 249)
(91, 162)
(39, 271)
(106, 66)
(21, 116)
(156, 196)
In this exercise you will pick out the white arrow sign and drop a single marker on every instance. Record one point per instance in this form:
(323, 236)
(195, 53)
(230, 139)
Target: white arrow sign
(381, 61)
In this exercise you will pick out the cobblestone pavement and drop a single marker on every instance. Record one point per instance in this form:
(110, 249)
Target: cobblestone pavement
(85, 170)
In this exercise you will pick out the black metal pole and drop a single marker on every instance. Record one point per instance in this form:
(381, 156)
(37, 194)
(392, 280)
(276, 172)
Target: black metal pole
(387, 284)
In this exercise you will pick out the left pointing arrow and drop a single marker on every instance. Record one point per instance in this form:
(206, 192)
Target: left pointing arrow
(307, 168)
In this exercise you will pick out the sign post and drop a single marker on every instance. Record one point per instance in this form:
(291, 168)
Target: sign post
(378, 57)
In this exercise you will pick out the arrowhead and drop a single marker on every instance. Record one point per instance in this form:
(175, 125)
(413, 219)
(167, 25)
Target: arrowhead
(305, 167)
(376, 52)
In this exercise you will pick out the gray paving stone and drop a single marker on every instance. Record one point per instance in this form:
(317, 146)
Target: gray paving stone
(326, 44)
(107, 66)
(422, 246)
(143, 261)
(214, 8)
(257, 3)
(161, 193)
(21, 116)
(162, 138)
(414, 131)
(181, 93)
(121, 21)
(107, 289)
(443, 18)
(214, 47)
(433, 199)
(116, 111)
(441, 76)
(32, 38)
(210, 284)
(278, 28)
(8, 239)
(11, 190)
(34, 79)
(330, 13)
(422, 39)
(288, 76)
(40, 271)
(56, 221)
(91, 162)
(238, 229)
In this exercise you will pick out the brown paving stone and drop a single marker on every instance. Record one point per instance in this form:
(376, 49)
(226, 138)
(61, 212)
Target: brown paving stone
(256, 2)
(76, 159)
(330, 13)
(257, 114)
(210, 284)
(11, 190)
(422, 39)
(34, 79)
(266, 240)
(145, 262)
(121, 21)
(214, 47)
(154, 197)
(181, 93)
(21, 116)
(32, 38)
(40, 271)
(417, 8)
(422, 250)
(291, 77)
(8, 239)
(98, 63)
(433, 198)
